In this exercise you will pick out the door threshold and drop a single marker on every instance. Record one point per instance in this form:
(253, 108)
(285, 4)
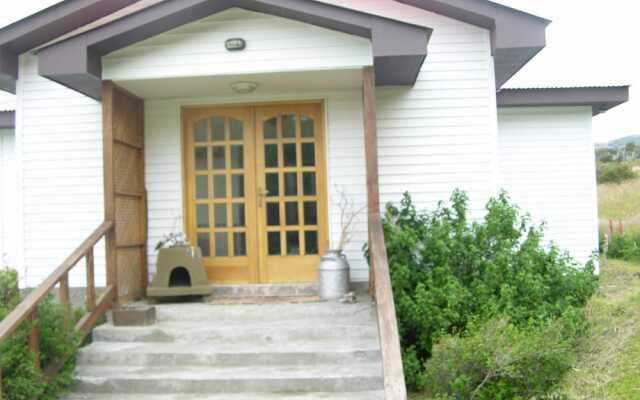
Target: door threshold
(265, 290)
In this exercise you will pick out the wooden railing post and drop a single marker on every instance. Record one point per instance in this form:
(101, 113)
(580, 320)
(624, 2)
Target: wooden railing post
(34, 337)
(380, 279)
(65, 297)
(91, 282)
(27, 310)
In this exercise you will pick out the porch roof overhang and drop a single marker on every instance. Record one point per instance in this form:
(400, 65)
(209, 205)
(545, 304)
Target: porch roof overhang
(600, 99)
(75, 61)
(516, 36)
(7, 119)
(39, 28)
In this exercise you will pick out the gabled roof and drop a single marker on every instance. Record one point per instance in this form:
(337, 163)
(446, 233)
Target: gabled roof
(516, 36)
(600, 99)
(399, 48)
(7, 119)
(45, 25)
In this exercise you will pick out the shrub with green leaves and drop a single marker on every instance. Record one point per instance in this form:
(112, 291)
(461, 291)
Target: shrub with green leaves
(21, 380)
(614, 172)
(500, 360)
(451, 275)
(624, 246)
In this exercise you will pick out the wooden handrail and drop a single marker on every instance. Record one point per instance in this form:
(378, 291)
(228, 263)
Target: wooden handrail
(28, 308)
(11, 322)
(380, 278)
(394, 384)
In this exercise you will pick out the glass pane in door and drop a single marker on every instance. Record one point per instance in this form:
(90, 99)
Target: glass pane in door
(219, 188)
(289, 177)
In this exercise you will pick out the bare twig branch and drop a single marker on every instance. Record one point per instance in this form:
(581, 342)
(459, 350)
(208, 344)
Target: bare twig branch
(348, 215)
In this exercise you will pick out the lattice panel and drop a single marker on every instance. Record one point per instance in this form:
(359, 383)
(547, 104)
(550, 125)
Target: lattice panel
(127, 165)
(130, 266)
(128, 125)
(128, 217)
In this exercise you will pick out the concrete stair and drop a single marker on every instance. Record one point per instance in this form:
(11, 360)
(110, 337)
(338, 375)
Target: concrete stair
(308, 351)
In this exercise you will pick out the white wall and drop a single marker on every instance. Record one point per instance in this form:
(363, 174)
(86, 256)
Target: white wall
(442, 134)
(273, 45)
(9, 223)
(60, 134)
(547, 165)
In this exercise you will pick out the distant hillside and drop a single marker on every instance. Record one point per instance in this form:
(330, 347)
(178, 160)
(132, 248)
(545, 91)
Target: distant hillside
(624, 141)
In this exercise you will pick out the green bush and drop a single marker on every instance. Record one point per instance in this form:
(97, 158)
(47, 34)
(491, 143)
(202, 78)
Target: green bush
(450, 275)
(614, 172)
(499, 360)
(20, 379)
(624, 247)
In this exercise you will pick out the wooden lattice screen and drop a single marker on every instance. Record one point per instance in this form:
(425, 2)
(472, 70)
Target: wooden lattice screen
(124, 191)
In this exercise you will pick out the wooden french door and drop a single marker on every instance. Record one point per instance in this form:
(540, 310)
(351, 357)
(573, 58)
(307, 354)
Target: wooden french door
(255, 191)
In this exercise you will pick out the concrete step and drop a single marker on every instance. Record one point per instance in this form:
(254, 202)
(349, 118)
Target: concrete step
(251, 334)
(304, 351)
(241, 314)
(352, 377)
(369, 395)
(180, 355)
(265, 290)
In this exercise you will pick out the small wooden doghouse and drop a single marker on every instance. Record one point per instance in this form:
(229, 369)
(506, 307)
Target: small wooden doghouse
(180, 272)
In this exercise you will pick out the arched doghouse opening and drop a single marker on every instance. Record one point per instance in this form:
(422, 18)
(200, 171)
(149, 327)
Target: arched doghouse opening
(180, 277)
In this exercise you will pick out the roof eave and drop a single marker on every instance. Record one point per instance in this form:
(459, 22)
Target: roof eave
(516, 36)
(39, 28)
(7, 119)
(600, 99)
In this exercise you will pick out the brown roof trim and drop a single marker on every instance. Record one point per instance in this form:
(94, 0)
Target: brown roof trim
(516, 36)
(41, 27)
(600, 99)
(7, 119)
(77, 61)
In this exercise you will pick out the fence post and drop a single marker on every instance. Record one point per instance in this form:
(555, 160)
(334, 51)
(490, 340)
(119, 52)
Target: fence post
(34, 337)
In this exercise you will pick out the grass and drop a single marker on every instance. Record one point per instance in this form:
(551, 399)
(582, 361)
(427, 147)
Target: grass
(620, 202)
(609, 366)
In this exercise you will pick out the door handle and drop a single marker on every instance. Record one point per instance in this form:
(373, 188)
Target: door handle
(261, 195)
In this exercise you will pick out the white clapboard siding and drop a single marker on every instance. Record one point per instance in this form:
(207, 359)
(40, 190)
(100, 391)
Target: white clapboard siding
(9, 199)
(274, 44)
(61, 135)
(547, 165)
(442, 133)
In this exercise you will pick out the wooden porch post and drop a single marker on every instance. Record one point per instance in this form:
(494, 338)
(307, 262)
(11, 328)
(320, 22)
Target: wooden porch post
(371, 156)
(124, 192)
(380, 280)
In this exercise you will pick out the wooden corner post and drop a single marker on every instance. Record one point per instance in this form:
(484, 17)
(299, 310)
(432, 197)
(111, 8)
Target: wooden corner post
(380, 279)
(124, 191)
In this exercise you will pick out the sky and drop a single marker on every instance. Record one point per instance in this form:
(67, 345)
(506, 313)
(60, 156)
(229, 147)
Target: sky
(587, 44)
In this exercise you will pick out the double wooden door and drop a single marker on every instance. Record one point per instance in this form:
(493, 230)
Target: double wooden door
(255, 191)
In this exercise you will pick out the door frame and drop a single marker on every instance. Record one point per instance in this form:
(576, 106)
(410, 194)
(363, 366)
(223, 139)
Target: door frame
(258, 272)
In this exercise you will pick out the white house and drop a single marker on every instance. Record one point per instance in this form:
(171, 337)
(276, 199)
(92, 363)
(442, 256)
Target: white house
(241, 122)
(443, 123)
